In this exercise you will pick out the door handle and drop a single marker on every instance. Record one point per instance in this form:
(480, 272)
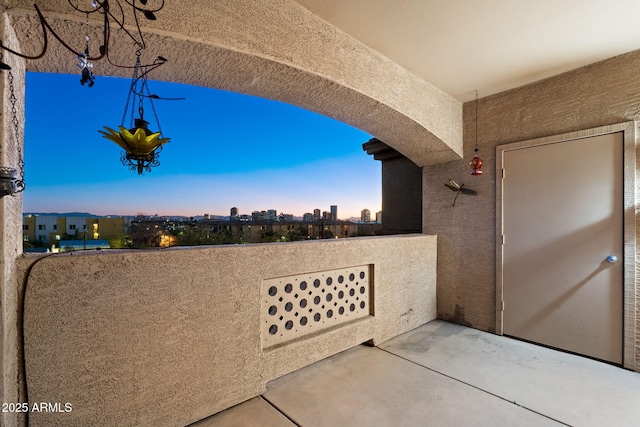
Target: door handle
(612, 259)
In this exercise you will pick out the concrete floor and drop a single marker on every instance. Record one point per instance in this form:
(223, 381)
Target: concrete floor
(442, 374)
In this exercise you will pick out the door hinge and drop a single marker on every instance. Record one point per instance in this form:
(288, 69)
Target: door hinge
(502, 238)
(502, 173)
(502, 305)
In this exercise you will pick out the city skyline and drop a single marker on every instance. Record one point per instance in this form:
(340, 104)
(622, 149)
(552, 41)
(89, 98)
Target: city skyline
(226, 150)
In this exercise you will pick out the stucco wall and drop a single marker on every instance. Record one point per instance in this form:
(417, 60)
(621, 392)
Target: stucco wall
(10, 236)
(169, 337)
(401, 196)
(601, 94)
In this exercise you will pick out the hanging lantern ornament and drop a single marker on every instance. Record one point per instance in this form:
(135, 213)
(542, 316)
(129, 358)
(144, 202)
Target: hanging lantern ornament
(11, 179)
(141, 146)
(86, 67)
(476, 162)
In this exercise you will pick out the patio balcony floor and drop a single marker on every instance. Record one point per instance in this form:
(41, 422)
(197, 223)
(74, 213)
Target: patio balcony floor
(443, 374)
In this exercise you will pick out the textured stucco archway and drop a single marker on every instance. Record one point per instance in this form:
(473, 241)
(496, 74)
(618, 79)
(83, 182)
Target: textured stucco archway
(273, 49)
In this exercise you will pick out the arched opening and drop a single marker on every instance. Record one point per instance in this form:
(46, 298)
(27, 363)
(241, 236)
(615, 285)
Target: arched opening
(227, 150)
(285, 54)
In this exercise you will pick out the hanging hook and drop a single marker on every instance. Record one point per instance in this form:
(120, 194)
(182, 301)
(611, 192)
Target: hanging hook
(3, 66)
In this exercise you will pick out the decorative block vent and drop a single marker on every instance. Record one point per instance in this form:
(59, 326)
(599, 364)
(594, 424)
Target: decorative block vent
(295, 306)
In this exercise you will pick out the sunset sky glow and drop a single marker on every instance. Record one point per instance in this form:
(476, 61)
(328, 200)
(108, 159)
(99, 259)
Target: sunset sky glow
(226, 150)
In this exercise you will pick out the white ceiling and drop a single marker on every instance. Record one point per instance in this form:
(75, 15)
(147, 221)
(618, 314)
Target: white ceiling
(461, 46)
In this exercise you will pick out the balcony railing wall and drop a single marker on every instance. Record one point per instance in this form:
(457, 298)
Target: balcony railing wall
(169, 337)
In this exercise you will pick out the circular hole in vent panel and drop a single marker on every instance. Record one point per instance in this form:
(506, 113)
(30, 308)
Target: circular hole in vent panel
(273, 291)
(303, 320)
(303, 285)
(316, 283)
(362, 304)
(288, 306)
(330, 313)
(362, 274)
(273, 310)
(303, 303)
(288, 325)
(316, 300)
(340, 278)
(288, 288)
(352, 277)
(273, 329)
(316, 317)
(329, 281)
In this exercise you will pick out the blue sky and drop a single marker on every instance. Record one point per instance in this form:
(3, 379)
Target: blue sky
(226, 149)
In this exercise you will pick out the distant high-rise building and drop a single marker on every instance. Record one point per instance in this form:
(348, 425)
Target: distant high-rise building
(365, 215)
(316, 215)
(307, 217)
(379, 217)
(326, 215)
(334, 213)
(234, 214)
(272, 215)
(286, 217)
(258, 215)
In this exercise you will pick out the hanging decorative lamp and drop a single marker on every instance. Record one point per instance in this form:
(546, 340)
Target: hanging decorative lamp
(476, 162)
(141, 146)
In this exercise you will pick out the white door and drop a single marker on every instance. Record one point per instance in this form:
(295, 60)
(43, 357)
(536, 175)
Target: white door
(562, 223)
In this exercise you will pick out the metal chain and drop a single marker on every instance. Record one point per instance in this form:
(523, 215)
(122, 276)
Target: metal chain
(130, 93)
(86, 25)
(16, 128)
